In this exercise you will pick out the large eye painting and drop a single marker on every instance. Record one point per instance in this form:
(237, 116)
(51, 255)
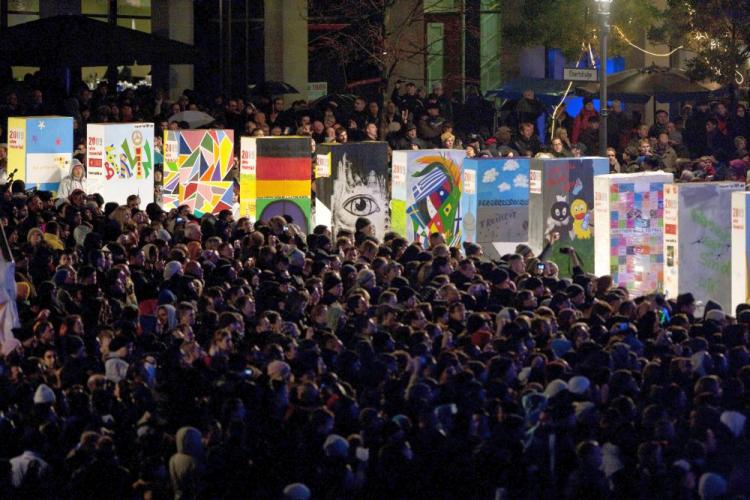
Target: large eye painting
(361, 205)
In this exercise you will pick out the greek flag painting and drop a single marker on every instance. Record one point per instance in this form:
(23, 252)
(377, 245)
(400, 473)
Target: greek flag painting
(436, 195)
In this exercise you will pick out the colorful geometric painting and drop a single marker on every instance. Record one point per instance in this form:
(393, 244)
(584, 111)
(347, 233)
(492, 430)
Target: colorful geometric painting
(207, 196)
(275, 168)
(41, 149)
(351, 181)
(561, 200)
(120, 161)
(195, 156)
(428, 185)
(629, 225)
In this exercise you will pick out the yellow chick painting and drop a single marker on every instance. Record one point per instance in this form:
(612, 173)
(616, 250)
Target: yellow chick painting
(581, 219)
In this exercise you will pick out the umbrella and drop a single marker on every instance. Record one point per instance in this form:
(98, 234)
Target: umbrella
(65, 41)
(195, 119)
(272, 87)
(548, 91)
(343, 102)
(640, 85)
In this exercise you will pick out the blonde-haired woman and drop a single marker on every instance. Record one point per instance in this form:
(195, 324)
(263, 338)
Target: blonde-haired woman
(35, 237)
(121, 215)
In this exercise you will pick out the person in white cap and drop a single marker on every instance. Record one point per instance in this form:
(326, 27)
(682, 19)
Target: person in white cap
(297, 491)
(579, 385)
(554, 388)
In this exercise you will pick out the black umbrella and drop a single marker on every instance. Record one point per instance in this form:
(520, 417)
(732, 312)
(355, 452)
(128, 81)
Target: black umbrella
(65, 41)
(273, 87)
(547, 91)
(341, 102)
(640, 85)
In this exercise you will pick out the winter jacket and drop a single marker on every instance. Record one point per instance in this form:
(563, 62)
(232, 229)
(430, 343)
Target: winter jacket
(185, 466)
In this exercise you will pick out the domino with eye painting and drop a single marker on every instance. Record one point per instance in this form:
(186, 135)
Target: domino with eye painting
(351, 181)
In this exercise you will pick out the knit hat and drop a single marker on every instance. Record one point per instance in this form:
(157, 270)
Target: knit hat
(330, 280)
(79, 234)
(154, 211)
(735, 422)
(583, 409)
(716, 315)
(685, 299)
(278, 370)
(296, 258)
(682, 464)
(523, 375)
(554, 388)
(405, 293)
(173, 267)
(498, 276)
(711, 305)
(362, 222)
(711, 485)
(167, 297)
(579, 384)
(44, 395)
(560, 347)
(574, 290)
(297, 491)
(336, 446)
(475, 322)
(116, 369)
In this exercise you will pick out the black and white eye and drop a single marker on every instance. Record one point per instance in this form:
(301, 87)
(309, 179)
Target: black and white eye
(361, 205)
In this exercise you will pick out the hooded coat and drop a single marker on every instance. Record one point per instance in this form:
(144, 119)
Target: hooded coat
(185, 466)
(68, 184)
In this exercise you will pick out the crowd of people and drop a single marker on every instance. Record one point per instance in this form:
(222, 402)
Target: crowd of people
(162, 356)
(703, 141)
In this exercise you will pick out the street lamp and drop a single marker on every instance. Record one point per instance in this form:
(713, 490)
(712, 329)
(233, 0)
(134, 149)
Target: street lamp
(603, 7)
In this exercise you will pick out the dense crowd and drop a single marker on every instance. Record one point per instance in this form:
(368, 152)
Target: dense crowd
(702, 141)
(162, 356)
